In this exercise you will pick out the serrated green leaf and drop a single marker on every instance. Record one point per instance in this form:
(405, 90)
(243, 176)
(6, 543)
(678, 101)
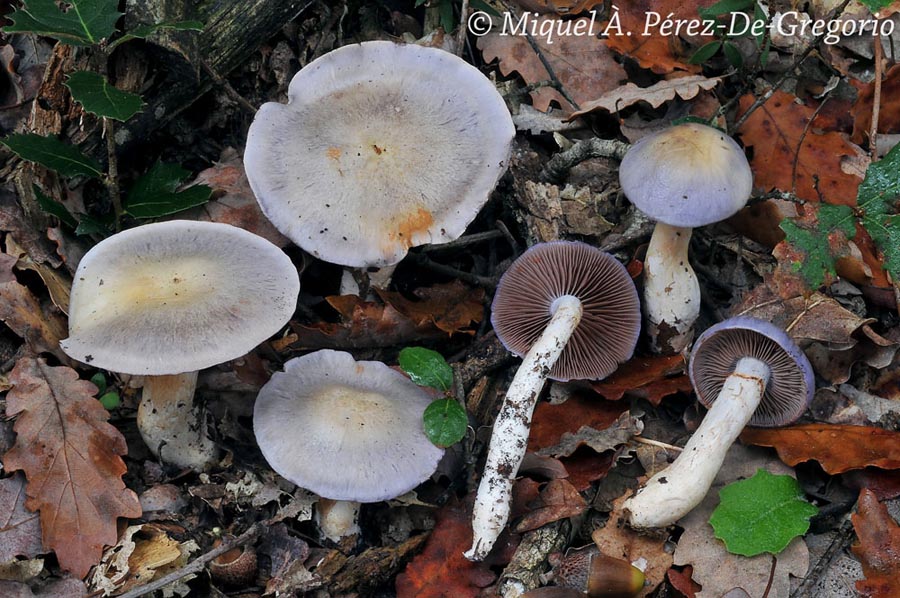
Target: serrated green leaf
(445, 422)
(94, 92)
(80, 22)
(819, 262)
(761, 514)
(57, 155)
(155, 194)
(54, 208)
(145, 31)
(426, 368)
(705, 52)
(877, 199)
(876, 5)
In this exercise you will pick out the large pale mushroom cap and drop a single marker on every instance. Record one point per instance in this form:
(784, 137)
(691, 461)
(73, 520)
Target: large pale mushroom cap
(177, 296)
(345, 429)
(688, 175)
(382, 147)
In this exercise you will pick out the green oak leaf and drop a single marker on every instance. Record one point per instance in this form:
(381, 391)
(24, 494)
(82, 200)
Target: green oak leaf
(426, 368)
(155, 194)
(56, 155)
(761, 514)
(75, 22)
(820, 261)
(877, 198)
(94, 92)
(445, 422)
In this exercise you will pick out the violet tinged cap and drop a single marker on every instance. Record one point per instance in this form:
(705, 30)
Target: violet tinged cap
(345, 429)
(687, 175)
(382, 147)
(610, 324)
(177, 296)
(791, 383)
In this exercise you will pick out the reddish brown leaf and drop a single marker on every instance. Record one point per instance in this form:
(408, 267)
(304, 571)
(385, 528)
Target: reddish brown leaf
(20, 530)
(836, 448)
(889, 110)
(71, 457)
(621, 431)
(550, 422)
(558, 500)
(878, 548)
(885, 485)
(681, 581)
(451, 307)
(441, 570)
(586, 466)
(584, 66)
(652, 378)
(21, 311)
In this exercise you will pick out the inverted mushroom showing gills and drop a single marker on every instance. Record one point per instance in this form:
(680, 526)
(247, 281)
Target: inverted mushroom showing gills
(168, 299)
(382, 147)
(572, 312)
(686, 176)
(347, 430)
(746, 371)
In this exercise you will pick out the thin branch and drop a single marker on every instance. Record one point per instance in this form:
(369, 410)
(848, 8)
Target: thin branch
(876, 97)
(796, 161)
(229, 90)
(463, 24)
(560, 164)
(112, 173)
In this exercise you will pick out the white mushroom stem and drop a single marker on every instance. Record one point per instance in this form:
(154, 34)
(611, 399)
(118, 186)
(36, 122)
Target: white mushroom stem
(171, 426)
(675, 491)
(513, 423)
(337, 519)
(671, 290)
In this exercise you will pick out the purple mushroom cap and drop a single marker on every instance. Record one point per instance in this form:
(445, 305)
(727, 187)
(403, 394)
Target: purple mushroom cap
(717, 351)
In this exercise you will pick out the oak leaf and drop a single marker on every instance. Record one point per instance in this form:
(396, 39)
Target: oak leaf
(450, 307)
(72, 459)
(878, 548)
(550, 421)
(837, 448)
(621, 431)
(558, 500)
(655, 95)
(583, 65)
(648, 377)
(20, 530)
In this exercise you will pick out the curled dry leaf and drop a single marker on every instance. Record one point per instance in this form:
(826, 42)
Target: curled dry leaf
(836, 448)
(550, 422)
(621, 431)
(141, 555)
(655, 95)
(20, 530)
(72, 459)
(649, 377)
(451, 307)
(878, 548)
(558, 500)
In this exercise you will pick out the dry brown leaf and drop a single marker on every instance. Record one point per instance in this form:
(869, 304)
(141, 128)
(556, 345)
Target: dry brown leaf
(20, 530)
(72, 459)
(584, 66)
(550, 421)
(649, 377)
(878, 548)
(558, 500)
(682, 581)
(21, 311)
(684, 87)
(58, 282)
(621, 431)
(451, 307)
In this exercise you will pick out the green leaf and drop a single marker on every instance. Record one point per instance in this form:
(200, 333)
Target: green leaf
(56, 155)
(733, 55)
(877, 198)
(94, 92)
(820, 261)
(705, 52)
(724, 7)
(54, 208)
(426, 368)
(445, 422)
(110, 400)
(761, 514)
(145, 31)
(99, 380)
(484, 7)
(90, 225)
(155, 194)
(446, 10)
(875, 5)
(79, 22)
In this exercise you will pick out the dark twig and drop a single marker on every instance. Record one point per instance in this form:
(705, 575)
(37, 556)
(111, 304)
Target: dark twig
(842, 537)
(796, 161)
(463, 241)
(232, 93)
(420, 259)
(876, 96)
(463, 24)
(558, 166)
(112, 173)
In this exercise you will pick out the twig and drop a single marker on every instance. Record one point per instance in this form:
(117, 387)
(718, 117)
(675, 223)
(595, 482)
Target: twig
(463, 241)
(876, 97)
(838, 543)
(796, 161)
(513, 244)
(112, 172)
(657, 443)
(463, 23)
(421, 259)
(560, 164)
(232, 93)
(198, 564)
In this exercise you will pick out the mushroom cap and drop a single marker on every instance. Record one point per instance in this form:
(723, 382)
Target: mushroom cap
(345, 429)
(177, 296)
(717, 351)
(610, 324)
(687, 175)
(382, 147)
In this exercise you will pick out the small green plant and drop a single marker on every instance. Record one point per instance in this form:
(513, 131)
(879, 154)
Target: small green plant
(761, 514)
(449, 10)
(756, 25)
(92, 23)
(108, 398)
(445, 420)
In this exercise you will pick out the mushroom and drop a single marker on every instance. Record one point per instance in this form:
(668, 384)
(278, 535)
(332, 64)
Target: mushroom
(382, 147)
(746, 371)
(168, 299)
(685, 176)
(347, 430)
(572, 312)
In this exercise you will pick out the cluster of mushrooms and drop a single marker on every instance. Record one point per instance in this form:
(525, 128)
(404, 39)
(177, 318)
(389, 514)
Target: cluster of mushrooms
(395, 146)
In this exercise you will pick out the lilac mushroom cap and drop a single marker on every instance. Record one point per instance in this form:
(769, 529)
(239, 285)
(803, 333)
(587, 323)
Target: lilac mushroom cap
(791, 384)
(611, 320)
(347, 430)
(382, 147)
(688, 175)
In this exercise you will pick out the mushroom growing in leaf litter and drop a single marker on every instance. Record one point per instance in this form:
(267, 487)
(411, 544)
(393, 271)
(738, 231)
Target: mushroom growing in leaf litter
(347, 430)
(168, 299)
(746, 371)
(382, 147)
(572, 312)
(685, 176)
